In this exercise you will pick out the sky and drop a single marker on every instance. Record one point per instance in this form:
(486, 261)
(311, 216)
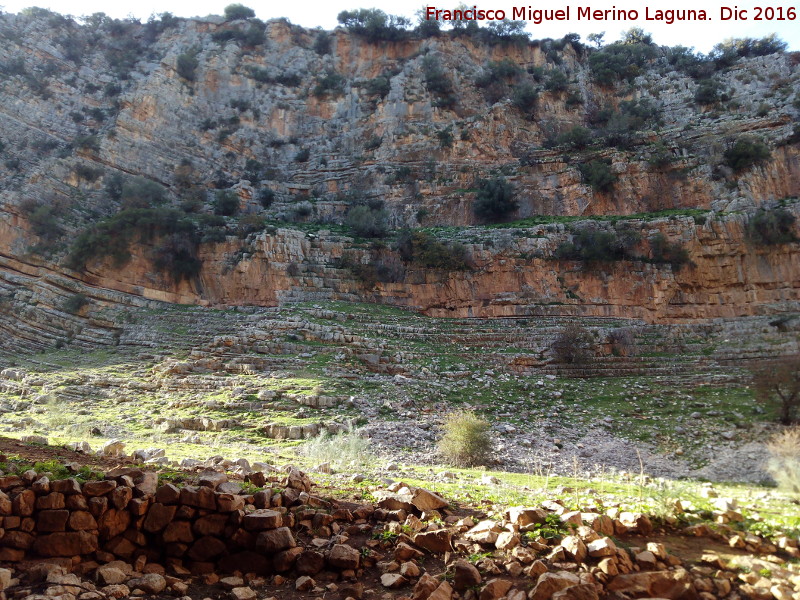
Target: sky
(702, 35)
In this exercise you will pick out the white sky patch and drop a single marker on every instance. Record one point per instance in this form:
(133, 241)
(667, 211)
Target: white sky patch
(702, 35)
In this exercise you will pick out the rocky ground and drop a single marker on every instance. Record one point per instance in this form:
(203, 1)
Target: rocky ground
(404, 542)
(186, 384)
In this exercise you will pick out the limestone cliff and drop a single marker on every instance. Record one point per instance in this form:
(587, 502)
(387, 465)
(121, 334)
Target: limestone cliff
(303, 125)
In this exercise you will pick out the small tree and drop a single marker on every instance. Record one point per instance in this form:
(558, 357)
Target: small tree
(187, 65)
(466, 441)
(226, 203)
(234, 12)
(777, 384)
(746, 153)
(494, 200)
(368, 222)
(573, 344)
(771, 227)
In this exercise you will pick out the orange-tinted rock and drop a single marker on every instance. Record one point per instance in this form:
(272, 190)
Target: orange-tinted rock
(68, 543)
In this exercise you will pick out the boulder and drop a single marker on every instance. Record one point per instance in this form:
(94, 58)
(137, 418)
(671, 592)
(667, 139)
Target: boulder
(275, 540)
(344, 557)
(550, 583)
(438, 541)
(465, 575)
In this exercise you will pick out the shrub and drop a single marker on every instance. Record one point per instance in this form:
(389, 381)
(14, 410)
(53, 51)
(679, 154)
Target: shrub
(467, 440)
(379, 86)
(90, 143)
(330, 84)
(746, 153)
(524, 98)
(426, 251)
(709, 91)
(302, 155)
(620, 62)
(88, 173)
(576, 138)
(597, 173)
(593, 245)
(322, 43)
(771, 227)
(784, 459)
(113, 185)
(494, 200)
(557, 81)
(74, 303)
(728, 52)
(438, 82)
(664, 251)
(367, 222)
(573, 344)
(226, 203)
(112, 236)
(777, 384)
(623, 341)
(176, 255)
(265, 197)
(343, 451)
(139, 192)
(235, 12)
(187, 65)
(43, 219)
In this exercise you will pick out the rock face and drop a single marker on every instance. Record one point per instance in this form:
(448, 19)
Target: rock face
(300, 135)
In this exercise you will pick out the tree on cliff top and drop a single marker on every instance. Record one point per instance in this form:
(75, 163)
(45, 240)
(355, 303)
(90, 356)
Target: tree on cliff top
(374, 24)
(234, 12)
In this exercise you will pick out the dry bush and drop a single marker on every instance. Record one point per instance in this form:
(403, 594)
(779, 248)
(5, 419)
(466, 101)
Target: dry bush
(777, 383)
(573, 344)
(784, 461)
(466, 441)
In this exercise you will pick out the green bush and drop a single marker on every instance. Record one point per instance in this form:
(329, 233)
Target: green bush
(368, 222)
(746, 153)
(322, 43)
(467, 440)
(728, 52)
(771, 227)
(234, 12)
(709, 91)
(597, 173)
(73, 304)
(112, 236)
(576, 138)
(524, 97)
(556, 81)
(664, 251)
(438, 82)
(226, 203)
(620, 62)
(176, 255)
(302, 155)
(426, 251)
(494, 200)
(265, 197)
(593, 245)
(187, 65)
(379, 86)
(43, 218)
(138, 192)
(330, 84)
